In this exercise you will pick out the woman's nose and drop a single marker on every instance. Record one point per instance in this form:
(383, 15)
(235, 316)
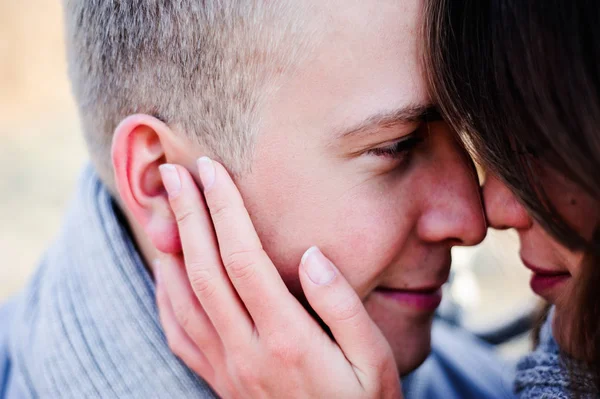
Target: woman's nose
(503, 210)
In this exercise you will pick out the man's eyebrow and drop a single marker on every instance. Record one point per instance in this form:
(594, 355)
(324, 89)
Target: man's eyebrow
(404, 115)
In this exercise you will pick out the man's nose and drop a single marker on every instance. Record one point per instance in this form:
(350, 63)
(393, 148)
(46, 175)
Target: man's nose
(502, 209)
(454, 212)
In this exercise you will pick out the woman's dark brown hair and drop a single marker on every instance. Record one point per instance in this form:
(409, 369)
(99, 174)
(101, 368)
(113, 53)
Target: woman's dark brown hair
(521, 80)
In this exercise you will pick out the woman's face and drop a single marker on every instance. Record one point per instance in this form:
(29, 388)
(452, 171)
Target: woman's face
(555, 268)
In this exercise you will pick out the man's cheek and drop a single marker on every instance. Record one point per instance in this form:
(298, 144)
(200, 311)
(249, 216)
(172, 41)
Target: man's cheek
(359, 261)
(364, 248)
(287, 265)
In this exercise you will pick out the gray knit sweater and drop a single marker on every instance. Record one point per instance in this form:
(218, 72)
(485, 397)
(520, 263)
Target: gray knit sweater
(87, 326)
(544, 372)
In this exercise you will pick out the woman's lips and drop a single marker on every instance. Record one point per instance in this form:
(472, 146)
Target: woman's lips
(541, 284)
(543, 281)
(427, 299)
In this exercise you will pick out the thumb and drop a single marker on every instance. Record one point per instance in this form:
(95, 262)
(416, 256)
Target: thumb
(338, 305)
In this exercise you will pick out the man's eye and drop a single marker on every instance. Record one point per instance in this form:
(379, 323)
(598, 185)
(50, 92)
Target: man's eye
(398, 149)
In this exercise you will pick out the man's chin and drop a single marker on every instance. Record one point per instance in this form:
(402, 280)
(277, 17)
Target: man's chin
(407, 332)
(408, 360)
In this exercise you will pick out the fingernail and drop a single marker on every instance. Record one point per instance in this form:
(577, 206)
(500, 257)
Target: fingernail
(206, 170)
(170, 178)
(318, 268)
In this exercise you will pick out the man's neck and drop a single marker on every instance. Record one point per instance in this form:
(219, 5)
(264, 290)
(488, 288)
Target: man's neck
(142, 244)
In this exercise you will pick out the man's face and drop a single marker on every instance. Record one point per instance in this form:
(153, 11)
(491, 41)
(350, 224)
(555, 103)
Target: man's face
(344, 162)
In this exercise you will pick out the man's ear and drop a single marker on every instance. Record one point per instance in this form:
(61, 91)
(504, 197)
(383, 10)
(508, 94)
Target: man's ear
(138, 149)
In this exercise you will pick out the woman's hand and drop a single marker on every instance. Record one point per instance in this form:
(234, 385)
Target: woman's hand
(229, 316)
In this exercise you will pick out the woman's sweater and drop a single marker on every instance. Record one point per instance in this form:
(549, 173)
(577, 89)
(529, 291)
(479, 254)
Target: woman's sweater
(548, 373)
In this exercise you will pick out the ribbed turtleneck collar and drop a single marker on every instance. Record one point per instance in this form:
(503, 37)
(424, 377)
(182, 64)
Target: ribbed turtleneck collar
(87, 325)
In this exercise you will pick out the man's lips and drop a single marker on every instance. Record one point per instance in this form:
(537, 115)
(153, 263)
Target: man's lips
(543, 280)
(424, 298)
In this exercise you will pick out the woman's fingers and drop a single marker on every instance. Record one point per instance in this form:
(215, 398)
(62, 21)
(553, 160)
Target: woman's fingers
(251, 271)
(181, 313)
(179, 342)
(220, 343)
(338, 305)
(208, 279)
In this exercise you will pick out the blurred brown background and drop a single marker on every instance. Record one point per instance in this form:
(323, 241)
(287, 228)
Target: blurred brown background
(41, 153)
(40, 146)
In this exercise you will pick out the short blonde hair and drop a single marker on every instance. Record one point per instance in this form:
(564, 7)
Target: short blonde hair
(201, 66)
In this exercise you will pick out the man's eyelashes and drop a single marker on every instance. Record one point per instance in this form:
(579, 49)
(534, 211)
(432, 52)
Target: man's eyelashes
(398, 149)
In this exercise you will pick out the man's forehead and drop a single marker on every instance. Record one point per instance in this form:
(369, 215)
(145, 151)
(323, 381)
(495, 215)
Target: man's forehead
(361, 75)
(376, 74)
